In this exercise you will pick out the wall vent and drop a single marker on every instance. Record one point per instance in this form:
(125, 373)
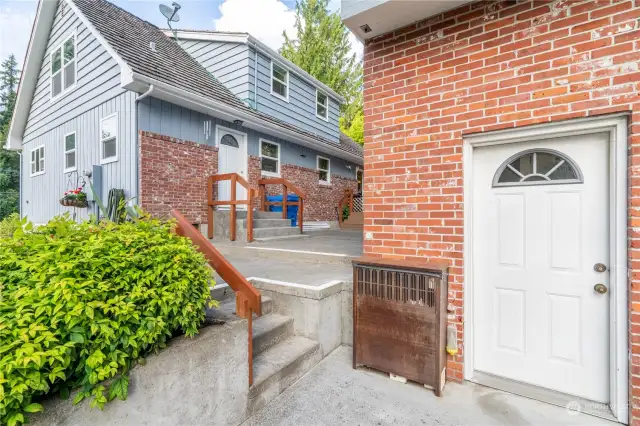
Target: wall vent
(365, 28)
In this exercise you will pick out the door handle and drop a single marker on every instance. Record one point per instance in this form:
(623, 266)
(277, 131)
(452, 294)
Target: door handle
(600, 288)
(600, 267)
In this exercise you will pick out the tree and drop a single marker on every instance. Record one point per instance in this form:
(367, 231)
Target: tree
(9, 160)
(321, 47)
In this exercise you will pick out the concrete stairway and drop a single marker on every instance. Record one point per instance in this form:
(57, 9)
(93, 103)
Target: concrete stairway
(279, 357)
(267, 226)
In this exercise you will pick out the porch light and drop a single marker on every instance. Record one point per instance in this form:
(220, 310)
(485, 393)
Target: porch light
(238, 122)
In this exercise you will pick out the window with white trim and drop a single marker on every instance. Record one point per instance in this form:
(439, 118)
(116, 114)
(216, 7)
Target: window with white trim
(37, 161)
(537, 167)
(279, 81)
(270, 157)
(63, 66)
(70, 152)
(324, 170)
(109, 139)
(322, 105)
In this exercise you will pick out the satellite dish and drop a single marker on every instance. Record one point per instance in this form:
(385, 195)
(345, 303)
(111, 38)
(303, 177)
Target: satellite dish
(170, 13)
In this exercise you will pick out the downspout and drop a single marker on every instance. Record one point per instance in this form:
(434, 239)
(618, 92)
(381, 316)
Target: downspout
(20, 186)
(137, 112)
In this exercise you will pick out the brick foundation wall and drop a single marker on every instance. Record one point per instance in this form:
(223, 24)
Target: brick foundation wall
(174, 172)
(481, 67)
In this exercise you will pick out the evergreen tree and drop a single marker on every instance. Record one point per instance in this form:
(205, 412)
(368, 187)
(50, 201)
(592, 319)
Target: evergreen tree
(9, 160)
(321, 47)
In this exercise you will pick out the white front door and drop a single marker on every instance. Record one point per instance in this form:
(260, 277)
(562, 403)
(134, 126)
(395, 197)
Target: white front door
(232, 158)
(540, 227)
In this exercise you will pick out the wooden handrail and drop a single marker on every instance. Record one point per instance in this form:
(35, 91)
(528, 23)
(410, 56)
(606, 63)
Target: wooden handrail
(347, 199)
(248, 298)
(286, 187)
(233, 203)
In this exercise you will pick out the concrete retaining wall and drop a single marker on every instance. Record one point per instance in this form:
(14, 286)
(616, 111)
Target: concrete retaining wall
(321, 313)
(197, 381)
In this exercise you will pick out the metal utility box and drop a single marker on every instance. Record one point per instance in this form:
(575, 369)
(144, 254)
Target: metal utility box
(400, 318)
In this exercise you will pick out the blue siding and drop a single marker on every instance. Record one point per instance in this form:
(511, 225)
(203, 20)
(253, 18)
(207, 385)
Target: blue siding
(96, 95)
(160, 117)
(301, 108)
(230, 63)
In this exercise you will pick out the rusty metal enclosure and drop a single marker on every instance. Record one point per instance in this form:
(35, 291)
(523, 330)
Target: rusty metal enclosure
(400, 318)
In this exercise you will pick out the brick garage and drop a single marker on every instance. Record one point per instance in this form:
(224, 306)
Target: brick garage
(487, 66)
(174, 173)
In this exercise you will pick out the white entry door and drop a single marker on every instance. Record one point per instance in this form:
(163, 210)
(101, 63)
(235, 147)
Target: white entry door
(540, 231)
(232, 158)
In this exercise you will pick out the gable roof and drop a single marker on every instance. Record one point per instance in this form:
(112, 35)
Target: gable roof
(169, 70)
(248, 39)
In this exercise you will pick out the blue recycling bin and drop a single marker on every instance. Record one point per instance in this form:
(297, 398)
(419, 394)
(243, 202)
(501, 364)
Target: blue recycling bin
(292, 211)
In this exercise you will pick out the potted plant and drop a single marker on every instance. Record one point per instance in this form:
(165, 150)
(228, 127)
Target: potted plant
(75, 198)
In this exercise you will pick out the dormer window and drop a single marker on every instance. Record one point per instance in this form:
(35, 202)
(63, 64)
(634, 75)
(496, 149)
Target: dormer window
(279, 81)
(63, 67)
(322, 105)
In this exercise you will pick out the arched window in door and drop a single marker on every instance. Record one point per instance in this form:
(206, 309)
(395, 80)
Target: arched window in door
(229, 140)
(537, 167)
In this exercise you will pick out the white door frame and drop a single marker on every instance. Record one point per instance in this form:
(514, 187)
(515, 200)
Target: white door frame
(221, 129)
(616, 126)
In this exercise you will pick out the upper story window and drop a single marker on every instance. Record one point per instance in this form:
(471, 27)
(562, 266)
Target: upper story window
(324, 170)
(322, 105)
(537, 167)
(270, 157)
(37, 161)
(279, 81)
(63, 66)
(70, 152)
(109, 139)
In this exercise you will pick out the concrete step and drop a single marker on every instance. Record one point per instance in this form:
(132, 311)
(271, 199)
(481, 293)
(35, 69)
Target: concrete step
(275, 232)
(266, 215)
(284, 237)
(271, 223)
(277, 368)
(269, 330)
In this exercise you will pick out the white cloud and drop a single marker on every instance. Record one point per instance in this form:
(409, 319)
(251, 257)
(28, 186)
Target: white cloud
(15, 28)
(266, 20)
(263, 19)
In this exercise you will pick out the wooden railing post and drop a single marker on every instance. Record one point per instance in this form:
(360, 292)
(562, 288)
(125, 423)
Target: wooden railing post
(210, 207)
(285, 201)
(250, 193)
(350, 202)
(263, 197)
(234, 179)
(300, 212)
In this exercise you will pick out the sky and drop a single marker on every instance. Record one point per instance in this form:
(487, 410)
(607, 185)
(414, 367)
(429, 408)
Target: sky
(264, 19)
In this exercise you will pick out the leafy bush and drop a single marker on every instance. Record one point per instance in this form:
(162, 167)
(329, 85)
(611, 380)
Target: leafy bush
(9, 225)
(82, 302)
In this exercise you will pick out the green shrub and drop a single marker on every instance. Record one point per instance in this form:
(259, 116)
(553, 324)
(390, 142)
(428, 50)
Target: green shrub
(9, 225)
(80, 303)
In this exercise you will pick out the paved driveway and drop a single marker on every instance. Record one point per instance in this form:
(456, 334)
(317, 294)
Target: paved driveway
(332, 393)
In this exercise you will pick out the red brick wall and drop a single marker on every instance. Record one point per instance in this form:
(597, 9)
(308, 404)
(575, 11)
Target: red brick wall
(487, 66)
(174, 172)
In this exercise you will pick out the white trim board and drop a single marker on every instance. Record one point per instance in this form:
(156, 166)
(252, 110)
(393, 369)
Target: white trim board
(616, 126)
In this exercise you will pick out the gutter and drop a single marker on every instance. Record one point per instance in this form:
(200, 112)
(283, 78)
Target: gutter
(137, 155)
(256, 122)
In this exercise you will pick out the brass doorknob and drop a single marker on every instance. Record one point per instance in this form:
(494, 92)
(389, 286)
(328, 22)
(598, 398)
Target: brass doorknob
(599, 267)
(600, 288)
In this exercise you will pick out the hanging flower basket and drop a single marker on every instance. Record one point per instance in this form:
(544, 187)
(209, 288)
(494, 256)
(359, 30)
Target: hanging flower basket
(75, 198)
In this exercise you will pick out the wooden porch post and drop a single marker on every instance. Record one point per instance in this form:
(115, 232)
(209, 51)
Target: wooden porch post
(234, 179)
(210, 207)
(285, 197)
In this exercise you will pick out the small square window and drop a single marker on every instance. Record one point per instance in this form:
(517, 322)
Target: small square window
(70, 152)
(270, 158)
(322, 105)
(324, 170)
(109, 138)
(279, 81)
(37, 161)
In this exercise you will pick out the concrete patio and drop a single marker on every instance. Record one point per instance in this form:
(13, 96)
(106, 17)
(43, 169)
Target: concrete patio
(332, 393)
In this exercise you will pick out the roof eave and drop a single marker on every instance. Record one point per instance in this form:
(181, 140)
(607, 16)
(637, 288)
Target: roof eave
(224, 111)
(248, 39)
(45, 14)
